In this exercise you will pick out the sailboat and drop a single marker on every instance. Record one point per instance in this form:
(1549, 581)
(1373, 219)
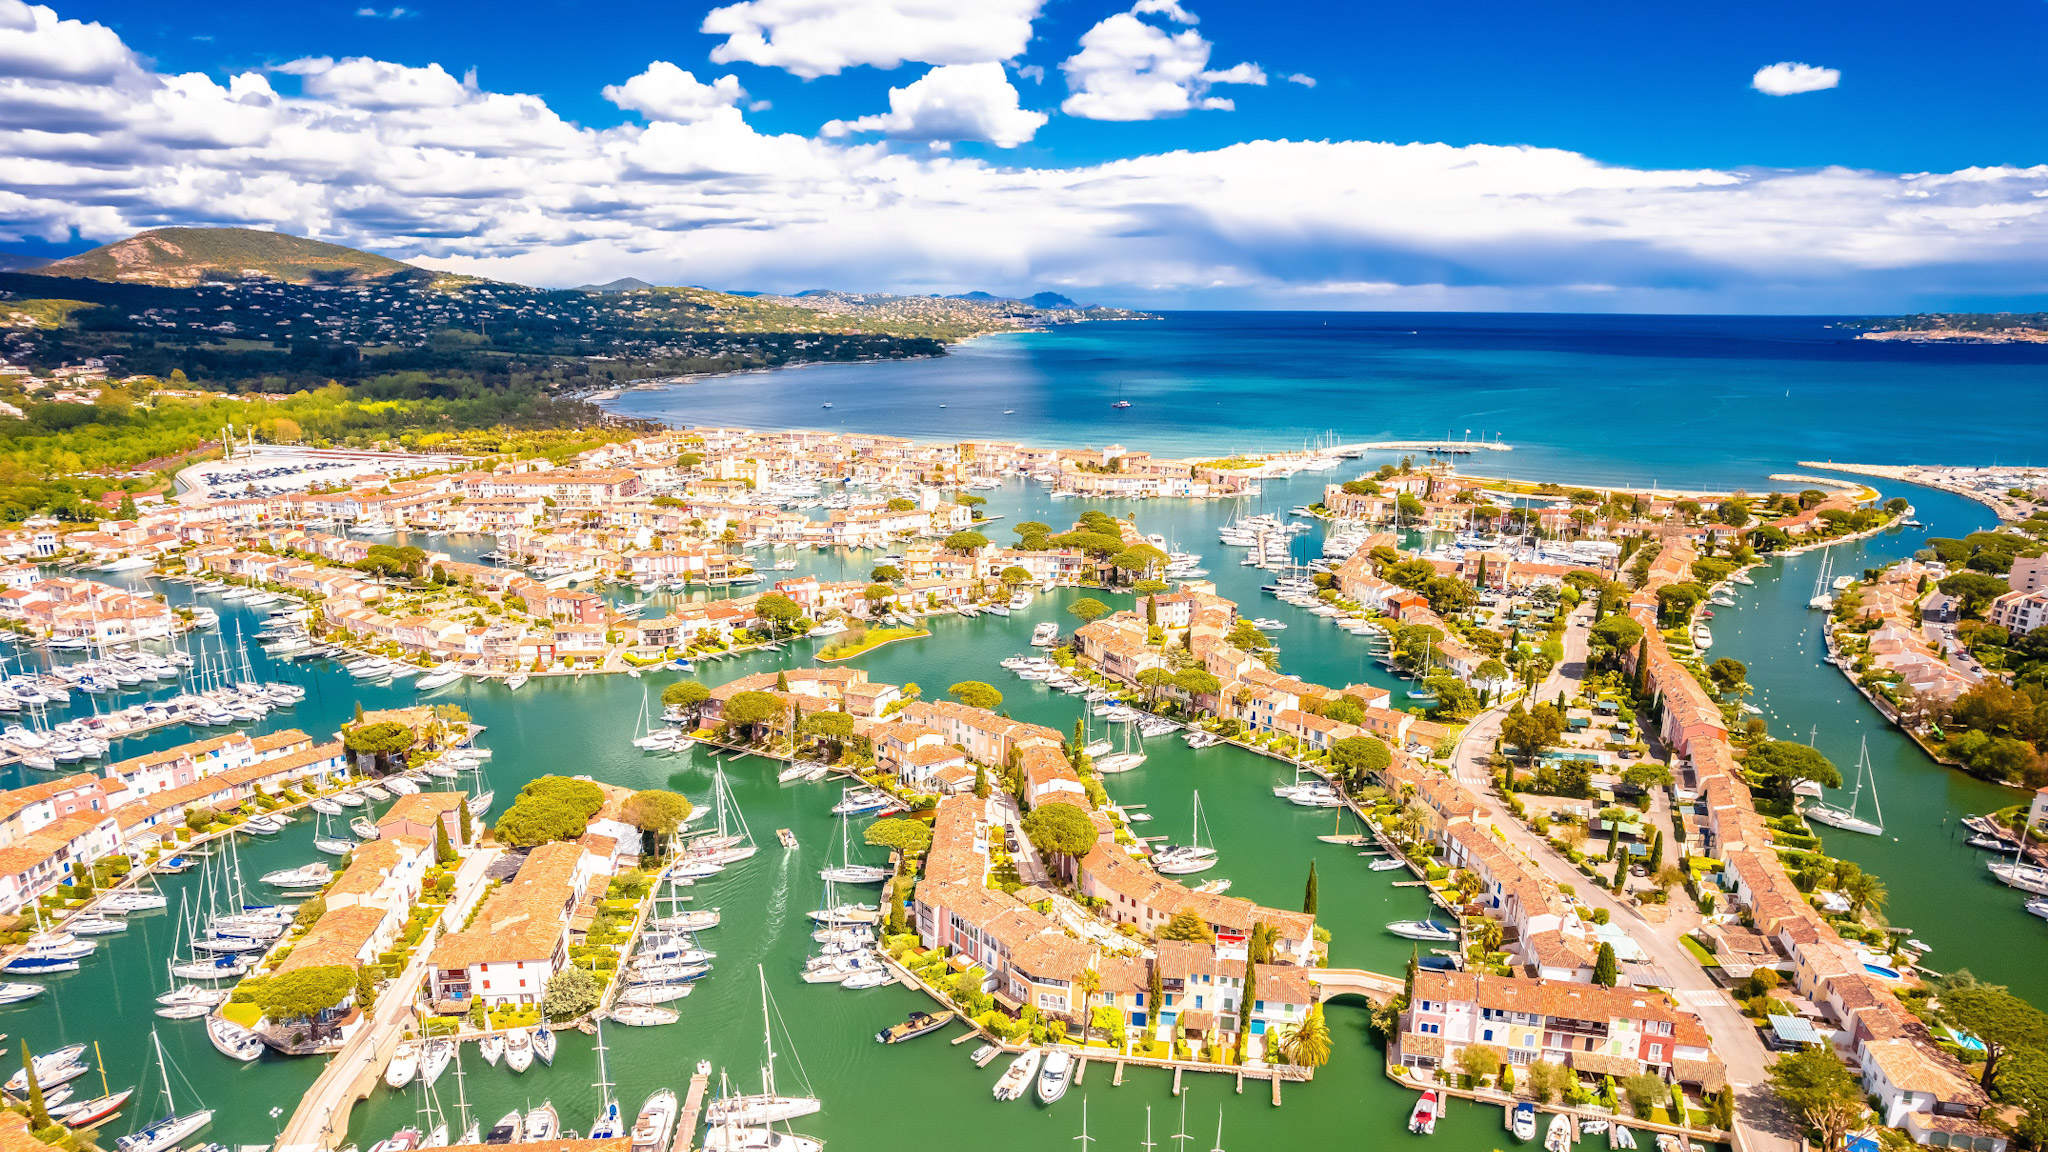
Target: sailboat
(1125, 760)
(765, 1106)
(1823, 586)
(731, 1136)
(606, 1124)
(1847, 818)
(848, 872)
(831, 911)
(172, 1128)
(472, 1131)
(733, 841)
(1186, 859)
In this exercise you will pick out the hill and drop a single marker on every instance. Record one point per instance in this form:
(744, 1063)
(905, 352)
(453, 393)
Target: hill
(182, 257)
(622, 284)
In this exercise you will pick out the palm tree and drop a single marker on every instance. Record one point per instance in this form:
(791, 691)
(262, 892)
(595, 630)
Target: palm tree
(1490, 934)
(1865, 890)
(1089, 982)
(1307, 1044)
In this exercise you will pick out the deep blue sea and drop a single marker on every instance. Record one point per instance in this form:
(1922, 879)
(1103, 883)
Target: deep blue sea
(1638, 400)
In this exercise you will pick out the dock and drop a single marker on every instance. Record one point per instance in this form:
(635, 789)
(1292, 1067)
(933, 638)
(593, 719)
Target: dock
(693, 1110)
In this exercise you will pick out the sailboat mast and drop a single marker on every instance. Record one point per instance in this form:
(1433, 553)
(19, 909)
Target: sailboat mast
(767, 1037)
(170, 1103)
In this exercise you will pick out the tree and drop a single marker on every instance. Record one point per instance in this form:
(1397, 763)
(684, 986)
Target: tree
(1060, 830)
(444, 852)
(1604, 973)
(884, 573)
(1308, 896)
(1531, 730)
(1728, 674)
(778, 610)
(1088, 609)
(1197, 682)
(2001, 1020)
(304, 993)
(687, 695)
(571, 993)
(1186, 925)
(1820, 1091)
(1155, 1001)
(910, 837)
(1013, 576)
(1247, 1001)
(1139, 558)
(1359, 756)
(1481, 1061)
(656, 811)
(836, 727)
(467, 824)
(746, 709)
(382, 739)
(1973, 590)
(38, 1114)
(1777, 765)
(1308, 1044)
(1644, 1093)
(529, 823)
(976, 694)
(966, 540)
(902, 504)
(1153, 679)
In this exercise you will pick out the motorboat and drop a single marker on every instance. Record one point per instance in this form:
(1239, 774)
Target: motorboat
(47, 1065)
(404, 1065)
(1422, 1119)
(1433, 930)
(15, 992)
(80, 1114)
(1045, 635)
(542, 1123)
(1387, 864)
(507, 1129)
(1524, 1125)
(1559, 1135)
(870, 977)
(491, 1048)
(918, 1024)
(1054, 1076)
(518, 1049)
(1016, 1080)
(657, 1119)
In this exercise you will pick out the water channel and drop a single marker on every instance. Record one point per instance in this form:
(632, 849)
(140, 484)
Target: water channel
(928, 1091)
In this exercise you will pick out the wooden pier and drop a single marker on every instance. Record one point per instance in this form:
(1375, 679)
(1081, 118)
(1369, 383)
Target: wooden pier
(693, 1110)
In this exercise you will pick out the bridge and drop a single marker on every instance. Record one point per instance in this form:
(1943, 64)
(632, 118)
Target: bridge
(1371, 985)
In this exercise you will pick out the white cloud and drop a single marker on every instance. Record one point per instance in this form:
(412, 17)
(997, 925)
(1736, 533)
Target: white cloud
(1130, 70)
(420, 164)
(1302, 78)
(666, 92)
(952, 102)
(393, 14)
(1789, 79)
(1170, 9)
(813, 38)
(1032, 72)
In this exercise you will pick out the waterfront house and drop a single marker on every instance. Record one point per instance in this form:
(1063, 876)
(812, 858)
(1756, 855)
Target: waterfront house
(519, 937)
(1928, 1095)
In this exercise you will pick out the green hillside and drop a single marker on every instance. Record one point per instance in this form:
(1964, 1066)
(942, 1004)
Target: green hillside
(181, 257)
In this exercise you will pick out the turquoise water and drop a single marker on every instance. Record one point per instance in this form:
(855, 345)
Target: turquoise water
(1575, 401)
(1671, 400)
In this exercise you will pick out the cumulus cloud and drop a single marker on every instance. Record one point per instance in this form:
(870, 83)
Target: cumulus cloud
(424, 165)
(952, 102)
(393, 14)
(1789, 79)
(1303, 79)
(813, 38)
(1130, 70)
(666, 92)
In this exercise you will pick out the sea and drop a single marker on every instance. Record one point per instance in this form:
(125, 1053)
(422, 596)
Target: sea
(1700, 402)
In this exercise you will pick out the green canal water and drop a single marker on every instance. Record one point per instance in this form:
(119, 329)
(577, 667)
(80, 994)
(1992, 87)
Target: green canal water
(879, 1097)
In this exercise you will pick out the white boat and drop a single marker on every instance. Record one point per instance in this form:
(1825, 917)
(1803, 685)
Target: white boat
(1388, 864)
(1524, 1124)
(1422, 1119)
(438, 678)
(2025, 877)
(874, 977)
(518, 1050)
(1054, 1076)
(172, 1129)
(1016, 1080)
(666, 993)
(544, 1045)
(516, 681)
(1435, 930)
(15, 993)
(491, 1048)
(1847, 818)
(542, 1123)
(405, 1064)
(435, 1056)
(657, 1119)
(768, 1105)
(644, 1015)
(848, 872)
(1045, 635)
(1558, 1137)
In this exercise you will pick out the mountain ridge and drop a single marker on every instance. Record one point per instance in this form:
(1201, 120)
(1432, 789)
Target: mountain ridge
(183, 257)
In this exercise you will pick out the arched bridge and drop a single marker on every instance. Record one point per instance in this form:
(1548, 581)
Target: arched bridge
(1371, 985)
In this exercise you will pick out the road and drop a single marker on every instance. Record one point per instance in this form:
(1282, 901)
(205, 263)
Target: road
(1762, 1125)
(321, 1119)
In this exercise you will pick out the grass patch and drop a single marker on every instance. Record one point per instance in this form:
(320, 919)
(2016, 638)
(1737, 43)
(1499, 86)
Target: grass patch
(855, 643)
(1699, 952)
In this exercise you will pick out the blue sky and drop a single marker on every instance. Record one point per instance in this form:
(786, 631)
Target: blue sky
(1595, 155)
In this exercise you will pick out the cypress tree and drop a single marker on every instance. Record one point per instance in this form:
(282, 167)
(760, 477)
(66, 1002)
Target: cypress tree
(1245, 1003)
(38, 1115)
(1155, 1002)
(444, 852)
(468, 825)
(1656, 851)
(1308, 897)
(1603, 968)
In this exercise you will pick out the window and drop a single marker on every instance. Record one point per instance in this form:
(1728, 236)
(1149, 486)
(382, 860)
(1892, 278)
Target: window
(1656, 1051)
(1487, 1035)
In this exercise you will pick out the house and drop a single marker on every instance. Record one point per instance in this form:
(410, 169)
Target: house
(519, 938)
(1925, 1093)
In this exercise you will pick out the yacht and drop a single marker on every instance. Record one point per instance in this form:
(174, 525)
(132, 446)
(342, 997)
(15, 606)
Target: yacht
(1045, 635)
(1054, 1076)
(1433, 930)
(1016, 1079)
(1847, 818)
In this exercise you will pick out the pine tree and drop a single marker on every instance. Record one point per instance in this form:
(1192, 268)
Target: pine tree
(1308, 897)
(1603, 967)
(782, 681)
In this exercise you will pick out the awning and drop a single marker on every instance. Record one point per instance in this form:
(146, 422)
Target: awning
(1793, 1030)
